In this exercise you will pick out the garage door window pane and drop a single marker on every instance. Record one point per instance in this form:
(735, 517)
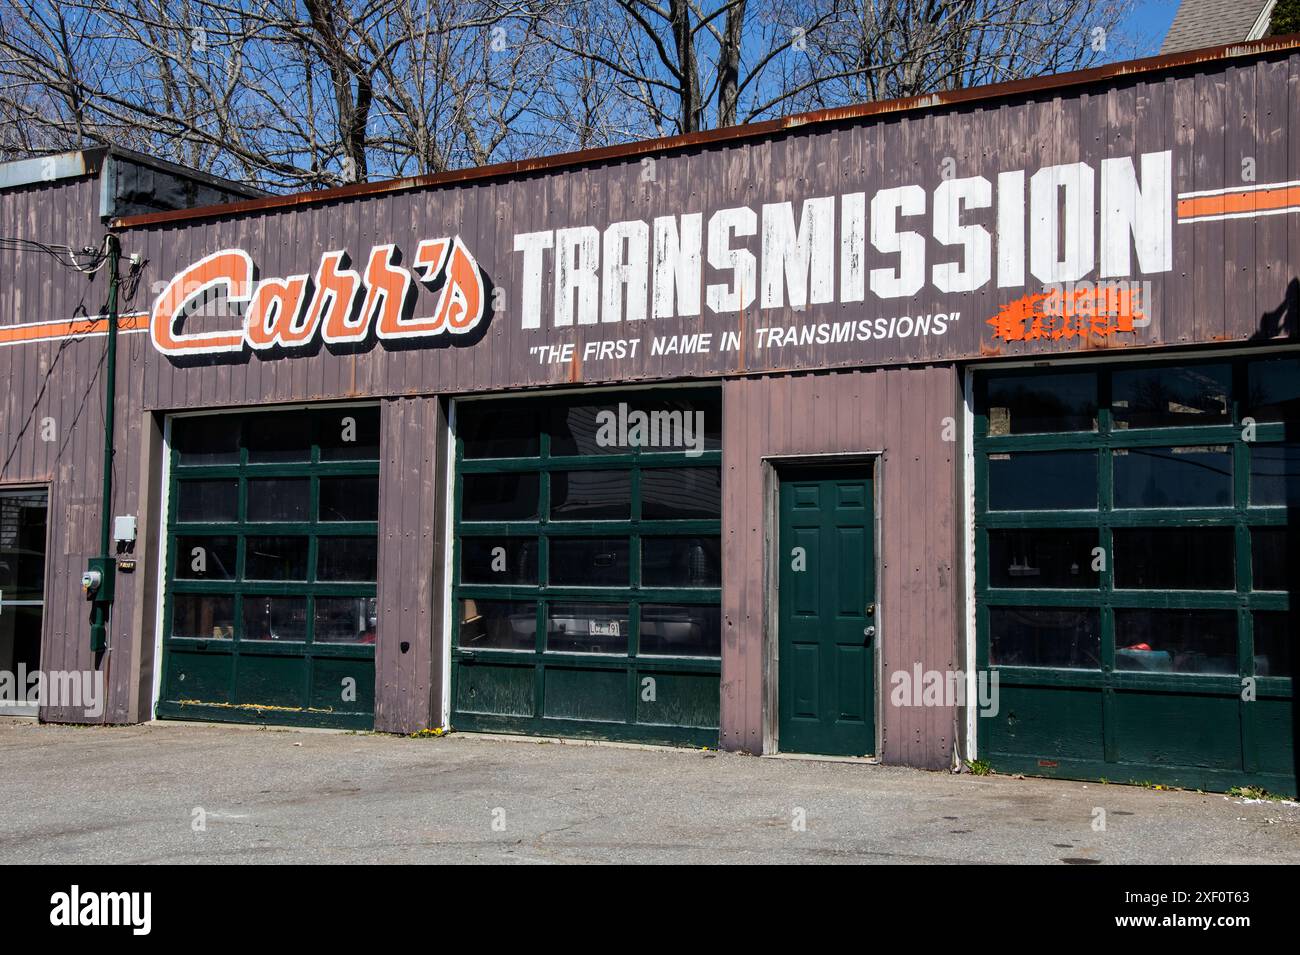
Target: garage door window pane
(1176, 641)
(498, 560)
(1040, 637)
(1168, 396)
(22, 546)
(1274, 389)
(278, 438)
(275, 618)
(279, 499)
(681, 494)
(587, 628)
(1271, 567)
(694, 426)
(1043, 480)
(349, 499)
(496, 429)
(348, 434)
(681, 562)
(499, 497)
(1173, 477)
(1042, 558)
(207, 502)
(497, 624)
(1033, 404)
(204, 557)
(1201, 558)
(589, 561)
(203, 616)
(345, 620)
(205, 440)
(591, 495)
(1275, 475)
(275, 558)
(681, 630)
(1276, 633)
(576, 429)
(347, 559)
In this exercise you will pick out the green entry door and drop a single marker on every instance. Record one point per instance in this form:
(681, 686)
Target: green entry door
(827, 613)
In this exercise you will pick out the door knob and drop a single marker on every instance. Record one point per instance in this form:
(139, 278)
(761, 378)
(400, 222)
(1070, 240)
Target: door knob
(868, 632)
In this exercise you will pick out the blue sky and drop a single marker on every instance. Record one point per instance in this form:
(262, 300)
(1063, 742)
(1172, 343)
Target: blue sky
(1148, 24)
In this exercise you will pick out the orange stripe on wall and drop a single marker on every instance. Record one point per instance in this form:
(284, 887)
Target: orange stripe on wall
(1247, 200)
(70, 329)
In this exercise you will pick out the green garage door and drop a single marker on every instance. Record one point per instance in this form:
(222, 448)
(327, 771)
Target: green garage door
(1136, 570)
(588, 566)
(272, 533)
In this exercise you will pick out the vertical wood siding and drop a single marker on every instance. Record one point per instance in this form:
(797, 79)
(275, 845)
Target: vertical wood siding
(899, 412)
(408, 692)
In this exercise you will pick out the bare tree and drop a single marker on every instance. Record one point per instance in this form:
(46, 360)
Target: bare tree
(312, 93)
(272, 91)
(681, 66)
(876, 50)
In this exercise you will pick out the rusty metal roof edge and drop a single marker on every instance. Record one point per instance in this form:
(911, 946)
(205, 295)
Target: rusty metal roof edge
(760, 130)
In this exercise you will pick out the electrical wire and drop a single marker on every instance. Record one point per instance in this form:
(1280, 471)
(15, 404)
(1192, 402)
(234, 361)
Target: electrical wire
(65, 255)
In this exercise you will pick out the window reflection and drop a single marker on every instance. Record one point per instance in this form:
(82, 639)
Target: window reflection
(1039, 637)
(1273, 389)
(1275, 475)
(1168, 396)
(346, 620)
(681, 494)
(1043, 480)
(1173, 477)
(1031, 404)
(274, 618)
(591, 495)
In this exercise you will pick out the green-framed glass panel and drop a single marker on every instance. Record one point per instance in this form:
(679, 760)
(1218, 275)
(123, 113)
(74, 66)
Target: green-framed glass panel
(1132, 533)
(587, 565)
(271, 569)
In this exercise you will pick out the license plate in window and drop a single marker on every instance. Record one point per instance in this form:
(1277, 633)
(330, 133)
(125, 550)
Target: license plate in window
(603, 628)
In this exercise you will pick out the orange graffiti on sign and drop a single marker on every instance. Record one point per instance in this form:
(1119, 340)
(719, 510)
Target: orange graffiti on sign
(1078, 312)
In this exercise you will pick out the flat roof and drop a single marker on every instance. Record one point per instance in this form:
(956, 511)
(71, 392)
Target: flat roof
(729, 134)
(73, 163)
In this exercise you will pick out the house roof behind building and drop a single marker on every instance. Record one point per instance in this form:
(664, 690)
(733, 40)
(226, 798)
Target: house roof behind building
(1200, 23)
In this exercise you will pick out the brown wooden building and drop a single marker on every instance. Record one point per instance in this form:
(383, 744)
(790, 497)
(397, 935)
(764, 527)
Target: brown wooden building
(928, 430)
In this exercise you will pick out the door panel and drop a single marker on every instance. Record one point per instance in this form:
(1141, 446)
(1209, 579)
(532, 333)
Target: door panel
(826, 676)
